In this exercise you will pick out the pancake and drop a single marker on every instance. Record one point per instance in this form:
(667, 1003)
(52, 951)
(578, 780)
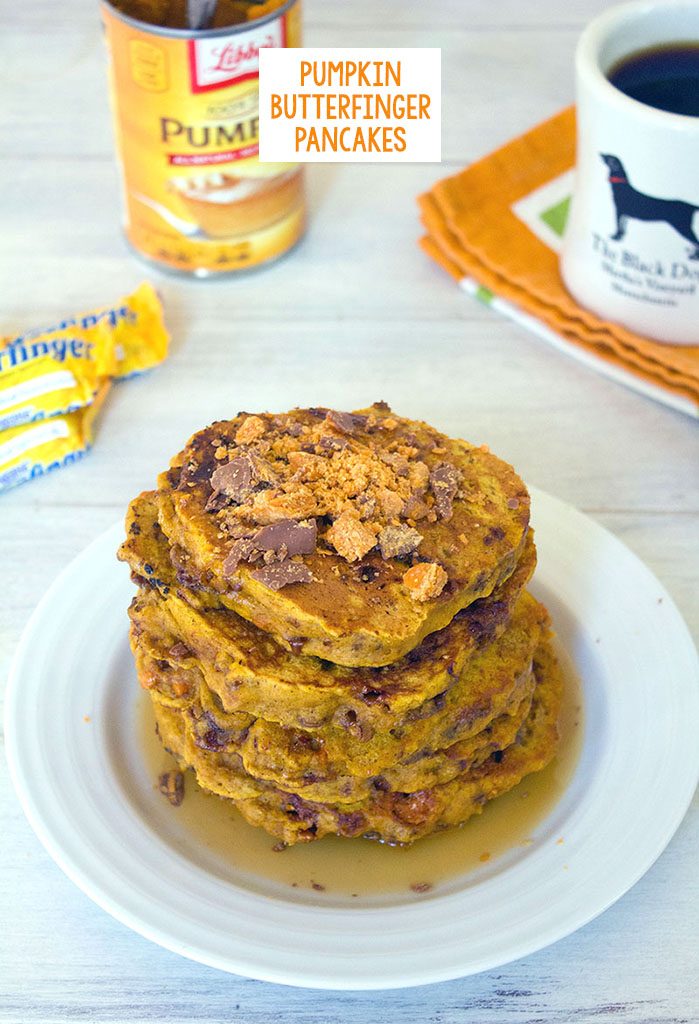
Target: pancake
(392, 817)
(250, 671)
(333, 626)
(350, 537)
(289, 757)
(304, 761)
(494, 678)
(426, 767)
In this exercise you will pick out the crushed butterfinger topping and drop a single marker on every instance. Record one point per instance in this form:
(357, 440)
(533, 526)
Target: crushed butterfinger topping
(425, 580)
(171, 785)
(336, 482)
(444, 481)
(280, 575)
(350, 537)
(251, 429)
(398, 541)
(324, 471)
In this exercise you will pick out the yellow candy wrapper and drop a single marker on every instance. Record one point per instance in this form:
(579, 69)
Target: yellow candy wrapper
(53, 374)
(35, 449)
(52, 371)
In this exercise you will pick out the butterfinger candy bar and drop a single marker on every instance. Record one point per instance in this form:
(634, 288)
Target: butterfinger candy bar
(140, 338)
(37, 448)
(55, 370)
(53, 374)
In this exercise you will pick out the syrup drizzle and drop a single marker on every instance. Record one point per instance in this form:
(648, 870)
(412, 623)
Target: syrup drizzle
(355, 868)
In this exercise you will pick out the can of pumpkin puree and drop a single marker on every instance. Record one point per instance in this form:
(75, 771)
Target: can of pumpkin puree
(196, 198)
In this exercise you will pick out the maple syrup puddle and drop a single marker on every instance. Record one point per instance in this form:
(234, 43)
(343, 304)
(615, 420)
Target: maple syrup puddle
(361, 867)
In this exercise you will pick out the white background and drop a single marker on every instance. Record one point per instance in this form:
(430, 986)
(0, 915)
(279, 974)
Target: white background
(356, 313)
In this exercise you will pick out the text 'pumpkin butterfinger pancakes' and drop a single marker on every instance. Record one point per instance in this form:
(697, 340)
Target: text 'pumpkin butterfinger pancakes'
(333, 626)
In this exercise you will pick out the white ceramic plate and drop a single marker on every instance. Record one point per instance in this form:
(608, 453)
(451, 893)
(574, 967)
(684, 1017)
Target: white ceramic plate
(90, 802)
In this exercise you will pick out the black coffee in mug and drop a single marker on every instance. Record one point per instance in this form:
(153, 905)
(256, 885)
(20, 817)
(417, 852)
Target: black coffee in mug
(665, 77)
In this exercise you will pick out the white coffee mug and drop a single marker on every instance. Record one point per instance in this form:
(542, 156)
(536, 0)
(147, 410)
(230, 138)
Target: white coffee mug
(631, 248)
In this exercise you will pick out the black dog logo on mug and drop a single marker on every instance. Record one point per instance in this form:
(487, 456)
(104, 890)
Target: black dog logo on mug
(630, 204)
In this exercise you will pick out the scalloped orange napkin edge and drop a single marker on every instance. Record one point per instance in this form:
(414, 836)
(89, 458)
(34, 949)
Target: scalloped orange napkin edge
(476, 231)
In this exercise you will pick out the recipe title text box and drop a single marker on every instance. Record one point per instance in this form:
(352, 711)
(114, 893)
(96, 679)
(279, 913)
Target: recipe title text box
(350, 105)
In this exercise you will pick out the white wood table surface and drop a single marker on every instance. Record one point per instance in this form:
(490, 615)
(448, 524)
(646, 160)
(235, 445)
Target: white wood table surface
(357, 313)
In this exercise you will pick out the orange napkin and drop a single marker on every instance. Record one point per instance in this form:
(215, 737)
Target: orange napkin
(477, 236)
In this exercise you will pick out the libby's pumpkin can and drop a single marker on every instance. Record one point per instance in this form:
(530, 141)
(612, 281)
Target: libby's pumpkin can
(186, 116)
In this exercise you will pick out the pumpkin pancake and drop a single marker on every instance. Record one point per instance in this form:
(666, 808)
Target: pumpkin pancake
(333, 627)
(497, 680)
(392, 817)
(250, 671)
(349, 536)
(293, 765)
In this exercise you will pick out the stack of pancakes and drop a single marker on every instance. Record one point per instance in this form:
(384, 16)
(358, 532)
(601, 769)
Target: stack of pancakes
(333, 626)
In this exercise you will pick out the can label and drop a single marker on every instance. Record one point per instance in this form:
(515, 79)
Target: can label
(186, 113)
